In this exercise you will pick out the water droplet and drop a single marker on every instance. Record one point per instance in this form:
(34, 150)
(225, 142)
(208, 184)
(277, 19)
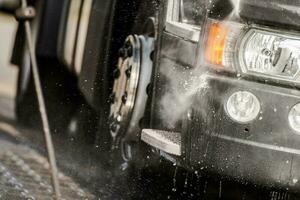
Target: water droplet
(295, 180)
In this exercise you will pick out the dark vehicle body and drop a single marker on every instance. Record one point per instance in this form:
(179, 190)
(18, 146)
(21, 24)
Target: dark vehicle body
(186, 97)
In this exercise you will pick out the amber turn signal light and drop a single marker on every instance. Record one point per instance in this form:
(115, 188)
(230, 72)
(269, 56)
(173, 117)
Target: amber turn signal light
(216, 43)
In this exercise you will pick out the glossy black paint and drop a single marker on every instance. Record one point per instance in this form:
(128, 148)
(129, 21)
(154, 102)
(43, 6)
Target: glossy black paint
(280, 13)
(264, 151)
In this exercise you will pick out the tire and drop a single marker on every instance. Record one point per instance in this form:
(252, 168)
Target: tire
(137, 22)
(61, 95)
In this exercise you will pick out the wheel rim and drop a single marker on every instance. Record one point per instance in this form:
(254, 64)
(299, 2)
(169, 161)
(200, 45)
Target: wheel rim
(128, 98)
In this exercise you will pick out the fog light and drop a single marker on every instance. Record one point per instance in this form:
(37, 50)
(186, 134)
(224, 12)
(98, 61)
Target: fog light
(294, 118)
(243, 106)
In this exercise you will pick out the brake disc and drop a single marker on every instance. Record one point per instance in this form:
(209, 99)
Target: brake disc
(132, 76)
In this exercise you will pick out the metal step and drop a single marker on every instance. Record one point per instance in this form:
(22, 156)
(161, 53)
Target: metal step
(169, 142)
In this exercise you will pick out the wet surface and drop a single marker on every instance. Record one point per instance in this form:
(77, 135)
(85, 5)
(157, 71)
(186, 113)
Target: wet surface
(23, 163)
(25, 174)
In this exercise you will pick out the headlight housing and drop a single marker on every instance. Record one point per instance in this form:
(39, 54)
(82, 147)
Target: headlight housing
(270, 54)
(249, 50)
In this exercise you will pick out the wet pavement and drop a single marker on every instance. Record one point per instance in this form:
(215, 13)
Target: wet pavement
(23, 163)
(25, 174)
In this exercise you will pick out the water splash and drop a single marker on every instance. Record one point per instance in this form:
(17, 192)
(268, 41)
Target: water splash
(182, 87)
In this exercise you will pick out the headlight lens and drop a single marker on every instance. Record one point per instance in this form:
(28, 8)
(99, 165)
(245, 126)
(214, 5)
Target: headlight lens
(294, 118)
(243, 106)
(270, 54)
(232, 46)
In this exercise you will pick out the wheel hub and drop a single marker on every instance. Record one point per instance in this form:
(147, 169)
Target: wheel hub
(132, 76)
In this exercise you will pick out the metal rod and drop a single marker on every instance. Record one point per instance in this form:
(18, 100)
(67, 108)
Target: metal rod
(42, 108)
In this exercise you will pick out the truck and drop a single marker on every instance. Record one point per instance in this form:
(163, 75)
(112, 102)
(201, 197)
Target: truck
(210, 85)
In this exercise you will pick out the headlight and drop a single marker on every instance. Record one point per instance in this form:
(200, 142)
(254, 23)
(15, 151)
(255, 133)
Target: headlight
(270, 54)
(294, 118)
(243, 107)
(236, 47)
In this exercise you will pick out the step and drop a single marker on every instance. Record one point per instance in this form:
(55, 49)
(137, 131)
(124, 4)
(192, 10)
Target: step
(169, 142)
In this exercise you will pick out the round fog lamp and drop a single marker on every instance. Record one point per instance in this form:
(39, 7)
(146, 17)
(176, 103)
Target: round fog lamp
(294, 118)
(243, 106)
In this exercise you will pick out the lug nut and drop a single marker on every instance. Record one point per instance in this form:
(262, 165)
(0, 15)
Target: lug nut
(112, 98)
(124, 98)
(122, 52)
(116, 73)
(128, 72)
(113, 127)
(126, 51)
(129, 51)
